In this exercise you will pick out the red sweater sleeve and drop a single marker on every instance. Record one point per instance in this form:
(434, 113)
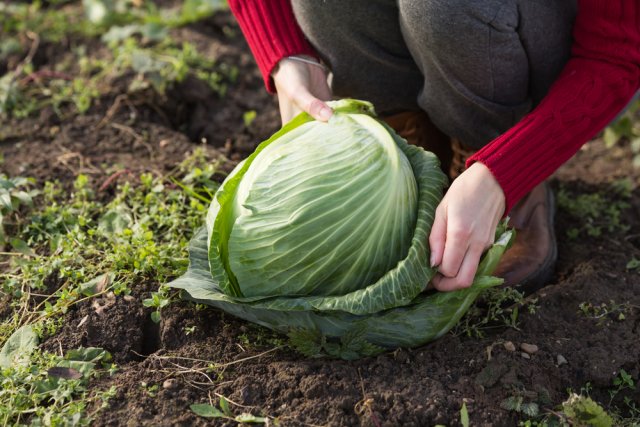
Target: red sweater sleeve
(271, 31)
(595, 85)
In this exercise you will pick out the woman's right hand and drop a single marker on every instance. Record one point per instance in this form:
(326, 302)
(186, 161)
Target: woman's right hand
(302, 87)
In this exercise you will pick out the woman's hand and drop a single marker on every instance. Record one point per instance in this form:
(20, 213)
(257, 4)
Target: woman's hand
(302, 87)
(464, 227)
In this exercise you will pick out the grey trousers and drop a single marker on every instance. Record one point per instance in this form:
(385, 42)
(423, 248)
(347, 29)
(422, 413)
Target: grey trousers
(475, 66)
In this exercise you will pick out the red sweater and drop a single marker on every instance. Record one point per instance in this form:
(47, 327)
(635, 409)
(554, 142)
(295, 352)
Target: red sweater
(597, 82)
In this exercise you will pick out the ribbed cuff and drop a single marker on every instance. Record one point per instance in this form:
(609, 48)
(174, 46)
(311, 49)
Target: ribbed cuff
(272, 33)
(586, 97)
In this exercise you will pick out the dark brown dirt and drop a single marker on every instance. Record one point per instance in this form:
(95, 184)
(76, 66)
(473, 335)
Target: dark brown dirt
(163, 369)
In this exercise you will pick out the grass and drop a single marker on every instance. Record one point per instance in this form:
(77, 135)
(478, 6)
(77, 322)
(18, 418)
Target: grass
(596, 213)
(136, 44)
(78, 247)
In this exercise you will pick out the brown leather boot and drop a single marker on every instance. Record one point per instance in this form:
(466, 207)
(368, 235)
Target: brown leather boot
(461, 153)
(529, 263)
(417, 129)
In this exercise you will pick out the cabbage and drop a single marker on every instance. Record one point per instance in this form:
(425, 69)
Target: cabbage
(322, 233)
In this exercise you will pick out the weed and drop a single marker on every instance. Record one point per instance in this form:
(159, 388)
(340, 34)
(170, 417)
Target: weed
(223, 411)
(77, 81)
(158, 300)
(623, 381)
(14, 194)
(626, 128)
(517, 404)
(633, 264)
(604, 312)
(496, 308)
(596, 213)
(52, 390)
(82, 248)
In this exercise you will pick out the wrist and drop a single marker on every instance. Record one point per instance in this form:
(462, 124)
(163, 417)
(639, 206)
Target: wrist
(300, 59)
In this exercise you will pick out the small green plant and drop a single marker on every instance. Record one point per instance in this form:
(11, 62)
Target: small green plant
(518, 404)
(581, 410)
(596, 213)
(604, 312)
(158, 300)
(223, 411)
(464, 415)
(14, 194)
(89, 248)
(633, 264)
(496, 308)
(150, 389)
(623, 381)
(626, 128)
(139, 40)
(46, 389)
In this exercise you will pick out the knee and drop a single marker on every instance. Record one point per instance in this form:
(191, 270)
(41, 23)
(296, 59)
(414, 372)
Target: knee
(439, 22)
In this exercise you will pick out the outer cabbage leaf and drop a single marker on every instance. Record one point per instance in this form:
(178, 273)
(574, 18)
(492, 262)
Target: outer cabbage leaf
(427, 317)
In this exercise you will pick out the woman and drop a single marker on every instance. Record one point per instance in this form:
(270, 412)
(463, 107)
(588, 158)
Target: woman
(518, 85)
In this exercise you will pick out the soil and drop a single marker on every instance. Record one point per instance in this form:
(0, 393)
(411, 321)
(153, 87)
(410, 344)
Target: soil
(162, 368)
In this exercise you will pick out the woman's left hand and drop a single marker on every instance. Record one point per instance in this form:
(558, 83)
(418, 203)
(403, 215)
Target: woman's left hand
(464, 226)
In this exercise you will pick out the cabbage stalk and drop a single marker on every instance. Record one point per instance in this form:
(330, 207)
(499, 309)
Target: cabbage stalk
(322, 233)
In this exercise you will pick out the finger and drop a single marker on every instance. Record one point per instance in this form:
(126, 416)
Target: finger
(455, 248)
(437, 237)
(288, 110)
(465, 276)
(312, 105)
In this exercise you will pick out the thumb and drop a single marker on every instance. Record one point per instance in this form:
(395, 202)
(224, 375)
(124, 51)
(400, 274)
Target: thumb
(312, 105)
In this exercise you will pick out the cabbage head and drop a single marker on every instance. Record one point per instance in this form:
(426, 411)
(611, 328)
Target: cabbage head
(322, 233)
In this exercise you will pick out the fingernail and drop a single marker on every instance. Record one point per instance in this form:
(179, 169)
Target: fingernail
(432, 260)
(325, 113)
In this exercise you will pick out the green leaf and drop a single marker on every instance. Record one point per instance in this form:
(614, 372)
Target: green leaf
(143, 62)
(120, 33)
(19, 346)
(306, 341)
(155, 316)
(115, 220)
(21, 246)
(97, 284)
(224, 405)
(23, 197)
(154, 31)
(428, 317)
(610, 137)
(530, 409)
(5, 200)
(88, 354)
(206, 410)
(464, 415)
(633, 264)
(581, 410)
(248, 117)
(98, 11)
